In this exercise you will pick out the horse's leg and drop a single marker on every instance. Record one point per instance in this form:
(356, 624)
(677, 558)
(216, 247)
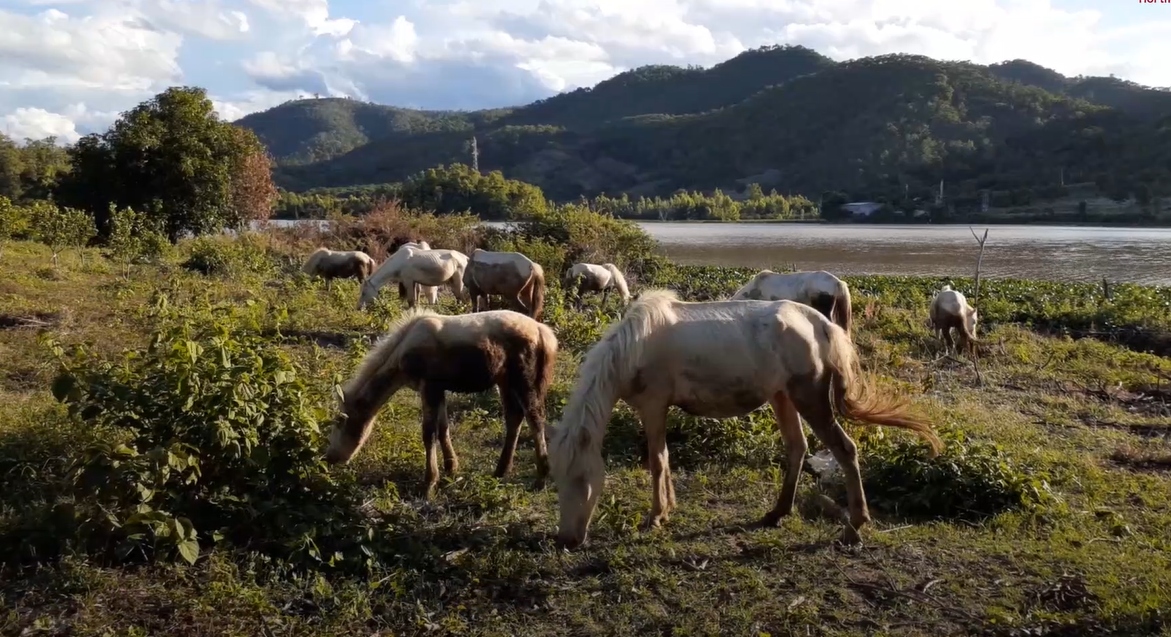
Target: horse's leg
(948, 343)
(443, 432)
(605, 295)
(654, 423)
(789, 424)
(813, 402)
(514, 412)
(433, 404)
(412, 294)
(534, 408)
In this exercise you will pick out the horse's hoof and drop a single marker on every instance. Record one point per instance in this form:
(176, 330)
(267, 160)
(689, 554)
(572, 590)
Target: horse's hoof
(773, 518)
(654, 521)
(851, 537)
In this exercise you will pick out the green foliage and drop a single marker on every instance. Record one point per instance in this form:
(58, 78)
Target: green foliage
(60, 228)
(172, 158)
(246, 255)
(31, 170)
(458, 188)
(970, 480)
(213, 434)
(14, 221)
(593, 237)
(133, 237)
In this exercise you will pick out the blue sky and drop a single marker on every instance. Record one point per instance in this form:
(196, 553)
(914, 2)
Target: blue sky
(69, 67)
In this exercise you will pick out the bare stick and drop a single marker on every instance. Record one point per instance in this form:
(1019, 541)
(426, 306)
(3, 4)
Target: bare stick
(979, 261)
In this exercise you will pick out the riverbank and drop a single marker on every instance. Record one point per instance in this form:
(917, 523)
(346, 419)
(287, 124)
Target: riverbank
(1048, 510)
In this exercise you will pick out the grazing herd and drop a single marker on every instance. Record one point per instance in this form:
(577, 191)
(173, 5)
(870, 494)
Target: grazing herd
(782, 340)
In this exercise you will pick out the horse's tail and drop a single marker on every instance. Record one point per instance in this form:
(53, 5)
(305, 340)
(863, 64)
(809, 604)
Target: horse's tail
(546, 358)
(537, 291)
(619, 281)
(855, 396)
(367, 267)
(843, 310)
(967, 330)
(310, 265)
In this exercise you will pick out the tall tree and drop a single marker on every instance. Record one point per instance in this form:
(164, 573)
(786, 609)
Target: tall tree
(173, 158)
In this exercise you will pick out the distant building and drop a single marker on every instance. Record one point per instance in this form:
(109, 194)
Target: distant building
(861, 208)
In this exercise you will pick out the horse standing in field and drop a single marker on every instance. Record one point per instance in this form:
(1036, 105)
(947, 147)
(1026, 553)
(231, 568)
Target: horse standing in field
(950, 309)
(434, 354)
(718, 359)
(329, 264)
(821, 290)
(417, 269)
(431, 291)
(596, 278)
(519, 279)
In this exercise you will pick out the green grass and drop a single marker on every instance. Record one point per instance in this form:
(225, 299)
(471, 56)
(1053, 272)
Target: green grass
(1081, 424)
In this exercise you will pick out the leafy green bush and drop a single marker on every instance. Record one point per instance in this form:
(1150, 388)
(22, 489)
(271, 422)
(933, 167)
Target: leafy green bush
(230, 256)
(592, 237)
(14, 222)
(134, 237)
(968, 480)
(60, 228)
(214, 435)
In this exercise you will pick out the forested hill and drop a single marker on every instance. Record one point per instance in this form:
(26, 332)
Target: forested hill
(786, 117)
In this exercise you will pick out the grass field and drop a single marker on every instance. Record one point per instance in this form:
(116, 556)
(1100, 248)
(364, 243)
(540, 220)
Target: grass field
(1048, 513)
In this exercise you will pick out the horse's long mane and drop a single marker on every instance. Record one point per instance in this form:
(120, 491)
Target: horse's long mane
(384, 352)
(607, 367)
(619, 280)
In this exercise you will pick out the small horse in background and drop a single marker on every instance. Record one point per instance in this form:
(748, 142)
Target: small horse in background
(417, 269)
(519, 279)
(718, 359)
(329, 265)
(820, 290)
(431, 291)
(434, 354)
(596, 278)
(950, 309)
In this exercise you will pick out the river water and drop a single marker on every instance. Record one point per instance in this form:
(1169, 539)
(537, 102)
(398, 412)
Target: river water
(1064, 253)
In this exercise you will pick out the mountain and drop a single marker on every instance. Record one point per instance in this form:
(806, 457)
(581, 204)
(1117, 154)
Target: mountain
(786, 117)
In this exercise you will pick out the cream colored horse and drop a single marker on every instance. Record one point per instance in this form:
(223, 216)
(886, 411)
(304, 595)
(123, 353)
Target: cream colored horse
(821, 290)
(417, 268)
(950, 309)
(718, 359)
(329, 264)
(519, 279)
(431, 292)
(435, 354)
(596, 278)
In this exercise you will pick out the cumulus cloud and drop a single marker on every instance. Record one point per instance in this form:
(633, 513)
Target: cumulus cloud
(108, 55)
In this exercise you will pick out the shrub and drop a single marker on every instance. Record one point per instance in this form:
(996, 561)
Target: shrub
(592, 237)
(61, 228)
(244, 254)
(968, 480)
(214, 436)
(134, 237)
(14, 222)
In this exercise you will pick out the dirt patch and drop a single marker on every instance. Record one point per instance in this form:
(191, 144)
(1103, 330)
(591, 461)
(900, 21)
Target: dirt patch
(1147, 401)
(35, 320)
(1142, 459)
(1140, 430)
(337, 340)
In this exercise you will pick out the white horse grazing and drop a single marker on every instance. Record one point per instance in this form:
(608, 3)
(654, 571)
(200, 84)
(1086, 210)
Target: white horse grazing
(519, 279)
(821, 290)
(949, 309)
(596, 278)
(417, 268)
(717, 359)
(431, 291)
(329, 264)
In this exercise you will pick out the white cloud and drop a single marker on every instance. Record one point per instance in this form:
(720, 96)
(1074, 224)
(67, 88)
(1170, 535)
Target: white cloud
(108, 55)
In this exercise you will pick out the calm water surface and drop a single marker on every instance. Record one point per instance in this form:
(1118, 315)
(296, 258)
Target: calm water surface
(1139, 255)
(1041, 252)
